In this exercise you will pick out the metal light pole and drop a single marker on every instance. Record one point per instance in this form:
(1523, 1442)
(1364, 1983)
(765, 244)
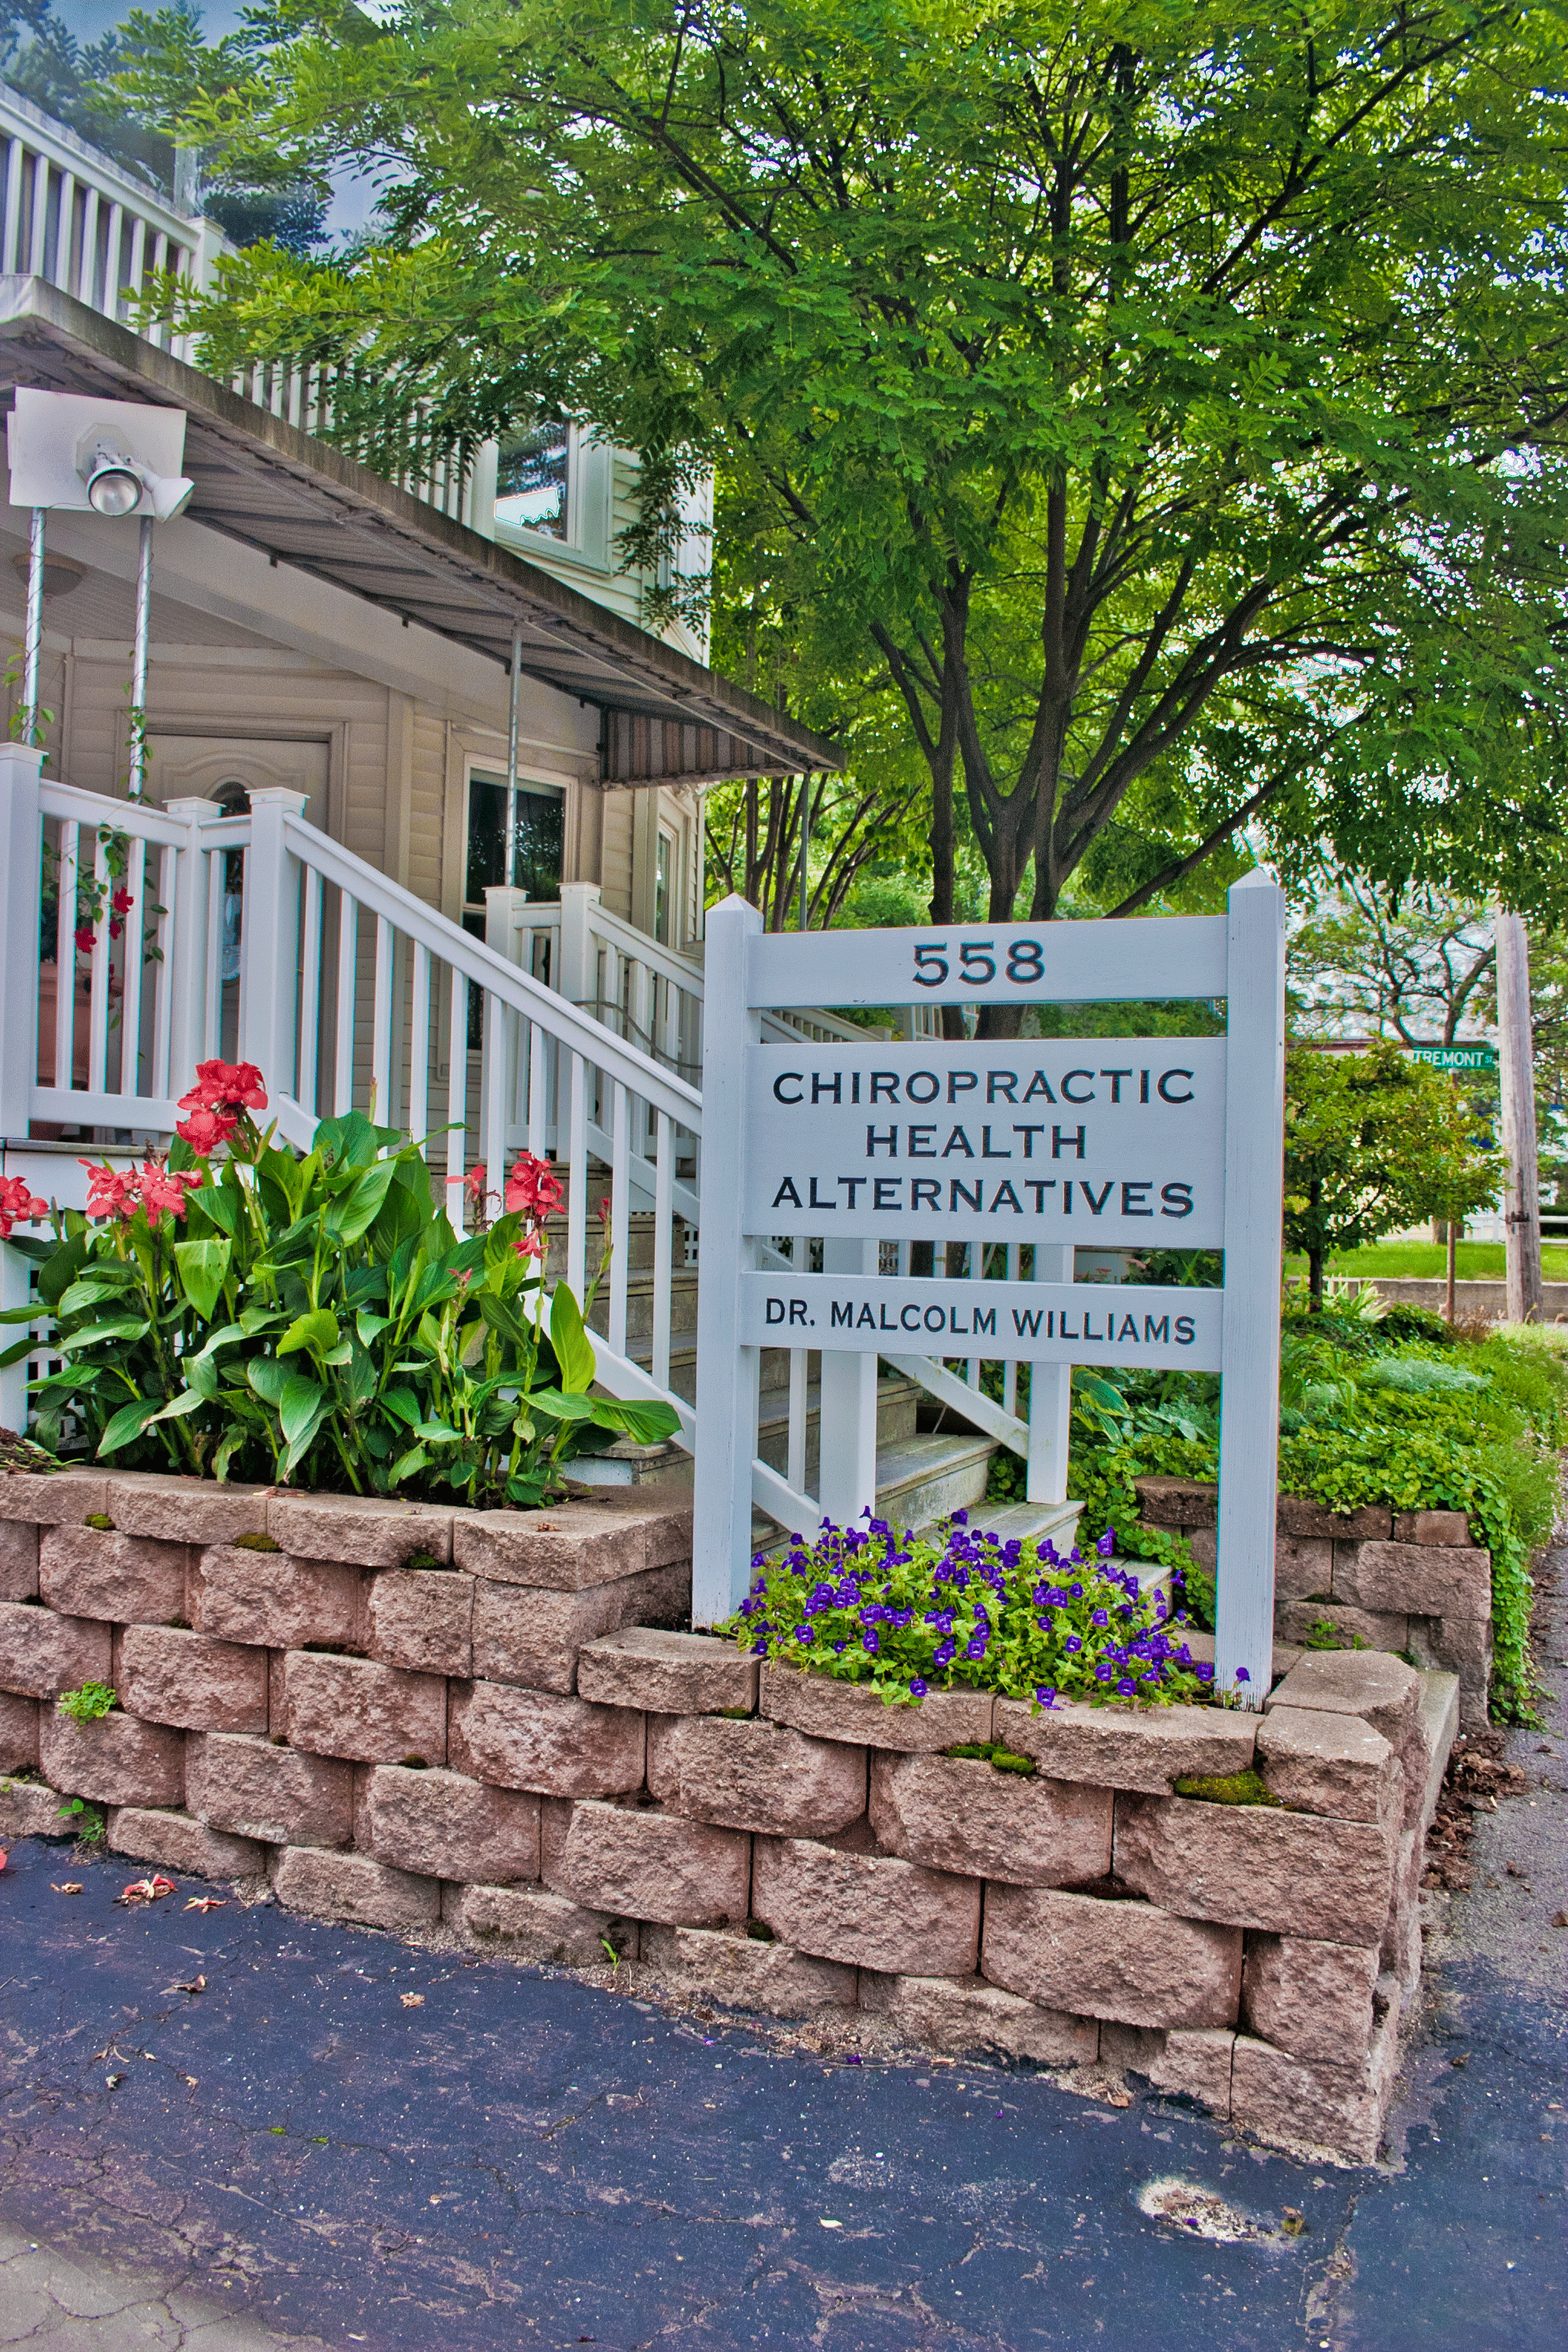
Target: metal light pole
(34, 628)
(1521, 1224)
(508, 870)
(138, 660)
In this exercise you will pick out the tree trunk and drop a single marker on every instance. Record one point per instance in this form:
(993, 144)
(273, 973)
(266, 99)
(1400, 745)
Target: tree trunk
(1315, 1279)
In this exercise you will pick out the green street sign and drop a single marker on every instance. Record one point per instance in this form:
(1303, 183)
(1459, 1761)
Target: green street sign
(1454, 1057)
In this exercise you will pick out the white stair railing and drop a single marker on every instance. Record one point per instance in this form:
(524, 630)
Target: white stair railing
(257, 937)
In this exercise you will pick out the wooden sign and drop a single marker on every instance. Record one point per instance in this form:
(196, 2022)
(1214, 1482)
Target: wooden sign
(1139, 1143)
(1122, 1145)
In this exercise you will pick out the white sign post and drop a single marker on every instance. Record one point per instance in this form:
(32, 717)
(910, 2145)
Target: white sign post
(1055, 1143)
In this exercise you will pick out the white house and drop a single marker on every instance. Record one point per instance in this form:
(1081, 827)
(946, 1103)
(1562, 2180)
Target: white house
(316, 876)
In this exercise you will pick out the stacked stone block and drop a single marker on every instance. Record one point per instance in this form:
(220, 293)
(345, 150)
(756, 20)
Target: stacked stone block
(407, 1716)
(1416, 1582)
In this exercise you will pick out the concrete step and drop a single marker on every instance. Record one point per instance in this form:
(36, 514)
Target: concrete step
(896, 1401)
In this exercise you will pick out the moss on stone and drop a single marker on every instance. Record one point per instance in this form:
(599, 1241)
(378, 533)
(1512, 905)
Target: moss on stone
(1247, 1788)
(256, 1543)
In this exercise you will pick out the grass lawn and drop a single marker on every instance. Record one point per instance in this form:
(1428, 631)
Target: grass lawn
(1476, 1261)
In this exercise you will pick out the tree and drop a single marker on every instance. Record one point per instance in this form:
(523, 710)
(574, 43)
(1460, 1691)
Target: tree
(1374, 1142)
(1171, 398)
(1421, 970)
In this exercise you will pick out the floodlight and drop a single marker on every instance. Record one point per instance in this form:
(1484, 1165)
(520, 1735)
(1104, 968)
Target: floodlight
(113, 485)
(117, 483)
(111, 458)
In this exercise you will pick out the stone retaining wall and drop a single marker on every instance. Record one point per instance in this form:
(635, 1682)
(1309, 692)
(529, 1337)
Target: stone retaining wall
(405, 1717)
(1415, 1582)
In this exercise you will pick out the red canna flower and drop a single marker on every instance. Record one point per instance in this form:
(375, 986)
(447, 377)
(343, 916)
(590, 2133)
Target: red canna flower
(204, 1131)
(111, 1191)
(164, 1189)
(533, 1188)
(19, 1206)
(531, 1243)
(225, 1085)
(120, 1192)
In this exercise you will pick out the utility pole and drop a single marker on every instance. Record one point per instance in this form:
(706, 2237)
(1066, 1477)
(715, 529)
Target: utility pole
(1516, 1056)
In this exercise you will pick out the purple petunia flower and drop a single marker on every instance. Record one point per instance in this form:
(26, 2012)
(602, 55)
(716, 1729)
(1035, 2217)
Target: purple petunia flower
(1076, 1591)
(1106, 1545)
(1126, 1686)
(1206, 1674)
(871, 1641)
(976, 1648)
(945, 1652)
(1101, 1617)
(1073, 1642)
(1104, 1671)
(918, 1687)
(1047, 1693)
(1242, 1675)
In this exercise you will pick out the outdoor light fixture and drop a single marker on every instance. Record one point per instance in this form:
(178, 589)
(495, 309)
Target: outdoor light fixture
(119, 484)
(110, 458)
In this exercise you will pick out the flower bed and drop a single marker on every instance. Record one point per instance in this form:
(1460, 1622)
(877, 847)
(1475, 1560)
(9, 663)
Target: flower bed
(908, 1614)
(313, 1319)
(404, 1714)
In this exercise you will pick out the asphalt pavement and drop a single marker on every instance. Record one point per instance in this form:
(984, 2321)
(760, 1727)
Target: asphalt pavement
(233, 2129)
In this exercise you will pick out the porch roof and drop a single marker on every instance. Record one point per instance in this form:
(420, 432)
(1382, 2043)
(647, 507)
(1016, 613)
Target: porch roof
(665, 718)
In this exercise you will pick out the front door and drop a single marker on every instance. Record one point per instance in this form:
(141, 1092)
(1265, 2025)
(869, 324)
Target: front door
(230, 768)
(226, 770)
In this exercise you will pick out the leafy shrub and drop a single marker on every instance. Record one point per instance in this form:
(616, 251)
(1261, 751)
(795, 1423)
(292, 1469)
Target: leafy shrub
(962, 1609)
(1371, 1425)
(90, 1703)
(1400, 1321)
(313, 1319)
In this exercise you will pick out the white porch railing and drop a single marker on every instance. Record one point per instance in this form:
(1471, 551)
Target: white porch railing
(70, 215)
(74, 217)
(651, 996)
(257, 937)
(345, 991)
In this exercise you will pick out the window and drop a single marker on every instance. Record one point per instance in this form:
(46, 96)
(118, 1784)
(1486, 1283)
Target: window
(532, 479)
(663, 898)
(536, 860)
(536, 843)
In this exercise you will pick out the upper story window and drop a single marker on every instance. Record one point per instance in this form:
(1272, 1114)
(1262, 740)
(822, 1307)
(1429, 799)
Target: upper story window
(533, 479)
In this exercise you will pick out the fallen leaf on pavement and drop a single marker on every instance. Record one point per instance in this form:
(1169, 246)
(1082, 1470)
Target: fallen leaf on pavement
(114, 2081)
(70, 1886)
(197, 1984)
(1120, 2098)
(1560, 1919)
(413, 2000)
(207, 1903)
(147, 1890)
